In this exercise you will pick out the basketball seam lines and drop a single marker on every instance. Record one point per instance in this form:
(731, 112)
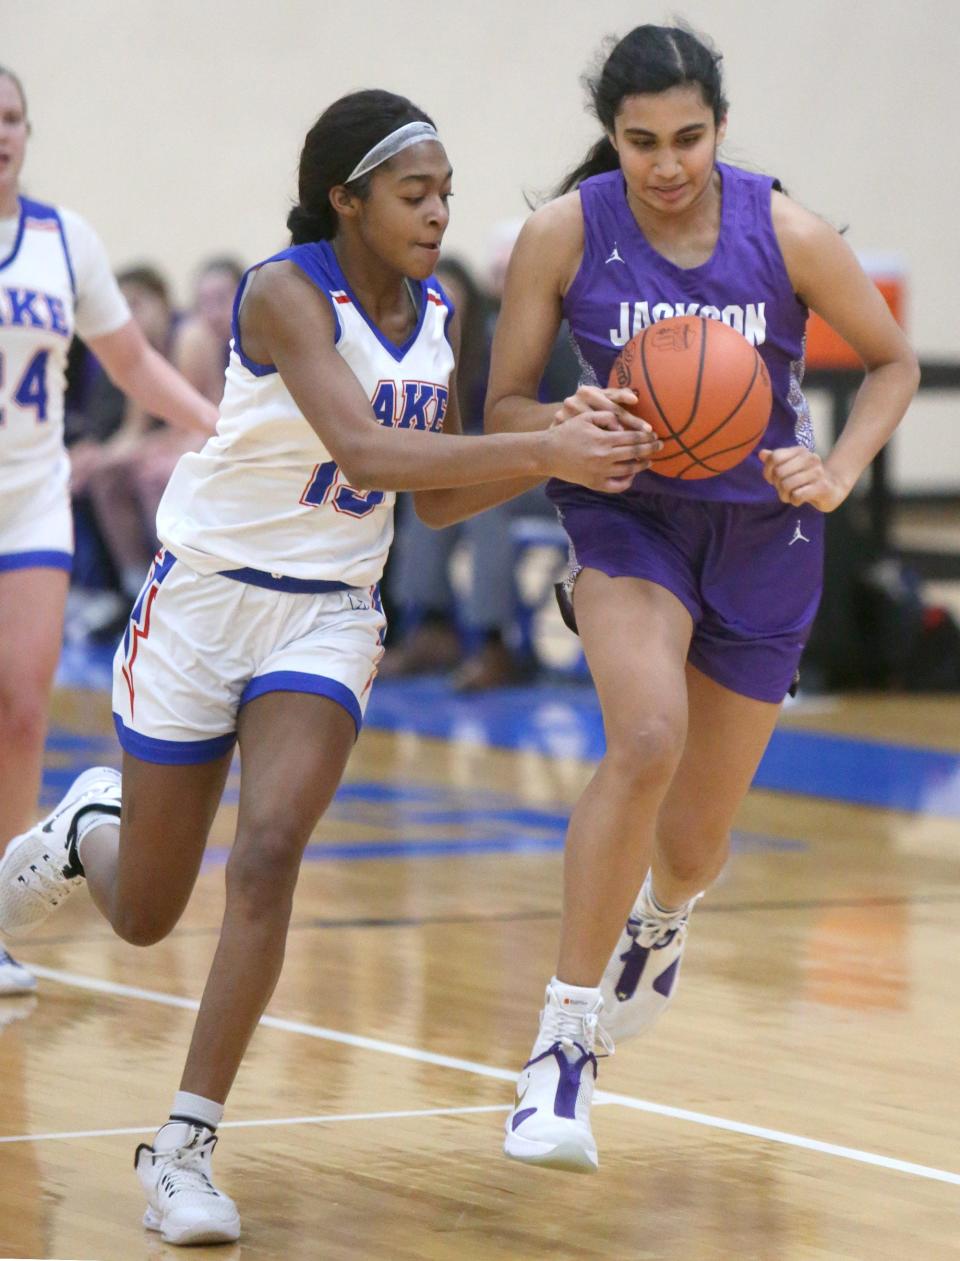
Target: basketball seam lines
(697, 461)
(690, 450)
(653, 393)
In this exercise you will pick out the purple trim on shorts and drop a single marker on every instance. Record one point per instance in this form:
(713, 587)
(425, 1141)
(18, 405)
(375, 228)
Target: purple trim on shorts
(748, 574)
(171, 752)
(749, 685)
(310, 684)
(36, 560)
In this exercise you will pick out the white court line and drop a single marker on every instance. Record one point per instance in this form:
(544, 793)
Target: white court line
(331, 1119)
(502, 1074)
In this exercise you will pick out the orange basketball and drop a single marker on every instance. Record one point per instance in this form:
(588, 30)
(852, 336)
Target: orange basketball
(703, 388)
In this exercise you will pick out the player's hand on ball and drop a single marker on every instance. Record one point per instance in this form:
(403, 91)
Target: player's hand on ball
(799, 476)
(593, 398)
(591, 450)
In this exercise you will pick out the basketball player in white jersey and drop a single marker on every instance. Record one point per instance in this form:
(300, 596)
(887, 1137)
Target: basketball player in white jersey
(260, 621)
(55, 279)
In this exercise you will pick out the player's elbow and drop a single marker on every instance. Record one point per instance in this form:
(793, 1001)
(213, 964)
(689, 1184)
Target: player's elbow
(492, 417)
(434, 509)
(358, 464)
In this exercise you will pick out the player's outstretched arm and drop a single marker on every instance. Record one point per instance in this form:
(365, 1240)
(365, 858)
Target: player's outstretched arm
(286, 321)
(827, 276)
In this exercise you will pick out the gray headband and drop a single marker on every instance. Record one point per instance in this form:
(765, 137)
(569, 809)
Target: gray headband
(390, 146)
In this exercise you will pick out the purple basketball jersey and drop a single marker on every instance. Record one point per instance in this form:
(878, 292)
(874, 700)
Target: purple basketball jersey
(623, 285)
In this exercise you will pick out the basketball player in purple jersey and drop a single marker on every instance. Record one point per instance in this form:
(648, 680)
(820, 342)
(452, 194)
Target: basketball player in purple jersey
(693, 599)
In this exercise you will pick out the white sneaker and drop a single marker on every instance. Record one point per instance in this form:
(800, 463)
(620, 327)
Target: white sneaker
(640, 981)
(550, 1121)
(14, 977)
(40, 869)
(182, 1202)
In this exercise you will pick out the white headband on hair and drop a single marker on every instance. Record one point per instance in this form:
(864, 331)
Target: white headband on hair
(390, 146)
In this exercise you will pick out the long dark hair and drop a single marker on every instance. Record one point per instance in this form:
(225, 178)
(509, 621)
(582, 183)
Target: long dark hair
(341, 136)
(650, 59)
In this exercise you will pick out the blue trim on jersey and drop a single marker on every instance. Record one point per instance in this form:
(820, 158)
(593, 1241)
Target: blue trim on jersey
(36, 560)
(302, 257)
(318, 262)
(171, 752)
(258, 369)
(311, 684)
(67, 258)
(277, 582)
(30, 209)
(21, 226)
(329, 265)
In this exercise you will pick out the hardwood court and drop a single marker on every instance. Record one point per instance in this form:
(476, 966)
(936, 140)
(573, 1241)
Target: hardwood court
(797, 1103)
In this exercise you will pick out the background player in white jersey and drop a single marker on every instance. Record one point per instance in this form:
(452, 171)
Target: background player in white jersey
(54, 278)
(261, 620)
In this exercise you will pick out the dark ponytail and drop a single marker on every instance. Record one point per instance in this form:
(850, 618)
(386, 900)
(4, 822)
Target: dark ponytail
(650, 59)
(340, 137)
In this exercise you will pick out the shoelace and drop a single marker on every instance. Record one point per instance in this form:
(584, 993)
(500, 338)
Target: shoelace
(182, 1170)
(45, 879)
(568, 1029)
(656, 931)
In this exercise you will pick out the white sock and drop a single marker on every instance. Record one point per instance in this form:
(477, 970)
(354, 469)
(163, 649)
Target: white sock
(578, 1000)
(196, 1110)
(94, 819)
(654, 905)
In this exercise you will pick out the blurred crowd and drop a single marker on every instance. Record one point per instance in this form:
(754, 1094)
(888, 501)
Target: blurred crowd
(450, 594)
(120, 457)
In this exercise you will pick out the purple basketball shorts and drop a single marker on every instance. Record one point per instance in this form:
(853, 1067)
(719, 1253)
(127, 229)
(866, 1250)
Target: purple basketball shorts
(749, 574)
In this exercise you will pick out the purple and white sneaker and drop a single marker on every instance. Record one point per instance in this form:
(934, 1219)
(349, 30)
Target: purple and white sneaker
(550, 1121)
(640, 981)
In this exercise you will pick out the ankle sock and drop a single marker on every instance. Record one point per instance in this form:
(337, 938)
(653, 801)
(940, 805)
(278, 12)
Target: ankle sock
(576, 999)
(195, 1110)
(656, 906)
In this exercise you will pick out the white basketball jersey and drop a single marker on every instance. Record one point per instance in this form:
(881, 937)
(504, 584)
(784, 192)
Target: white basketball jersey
(264, 493)
(37, 295)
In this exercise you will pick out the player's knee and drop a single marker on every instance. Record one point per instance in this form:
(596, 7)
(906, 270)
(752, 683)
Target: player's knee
(142, 925)
(23, 717)
(646, 753)
(693, 858)
(263, 869)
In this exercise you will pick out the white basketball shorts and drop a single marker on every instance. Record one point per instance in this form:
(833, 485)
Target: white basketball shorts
(36, 523)
(199, 647)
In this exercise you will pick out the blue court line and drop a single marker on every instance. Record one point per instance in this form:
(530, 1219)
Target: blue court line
(566, 721)
(364, 851)
(563, 720)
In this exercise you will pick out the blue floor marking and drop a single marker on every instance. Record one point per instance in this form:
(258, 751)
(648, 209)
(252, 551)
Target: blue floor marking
(867, 772)
(563, 720)
(416, 847)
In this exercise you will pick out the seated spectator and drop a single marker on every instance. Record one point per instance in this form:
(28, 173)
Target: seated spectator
(123, 477)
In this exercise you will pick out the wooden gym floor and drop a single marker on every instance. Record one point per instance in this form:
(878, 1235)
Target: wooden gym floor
(799, 1102)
